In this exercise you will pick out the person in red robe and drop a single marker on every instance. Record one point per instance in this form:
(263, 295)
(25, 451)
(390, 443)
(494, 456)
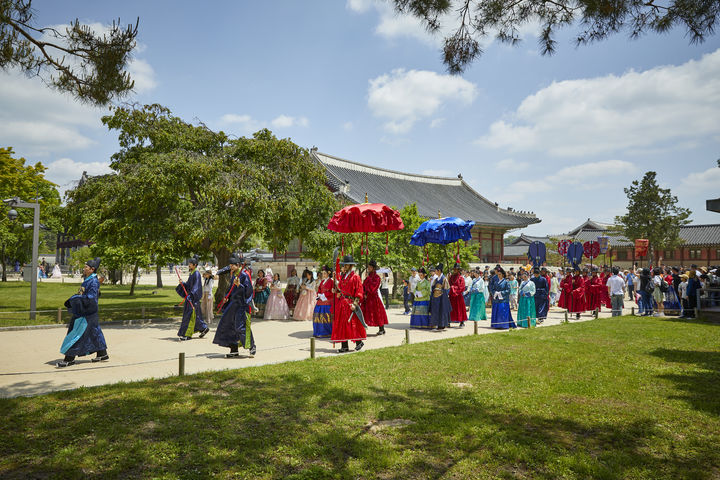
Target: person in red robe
(577, 297)
(346, 324)
(372, 306)
(457, 300)
(594, 289)
(565, 289)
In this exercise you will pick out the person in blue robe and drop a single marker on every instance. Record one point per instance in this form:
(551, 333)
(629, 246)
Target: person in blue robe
(234, 327)
(440, 300)
(192, 292)
(501, 317)
(542, 290)
(84, 335)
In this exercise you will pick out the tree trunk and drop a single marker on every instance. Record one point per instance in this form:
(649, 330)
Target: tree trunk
(134, 279)
(158, 275)
(223, 258)
(395, 283)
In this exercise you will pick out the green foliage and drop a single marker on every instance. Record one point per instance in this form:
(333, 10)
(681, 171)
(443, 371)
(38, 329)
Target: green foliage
(652, 214)
(92, 66)
(595, 19)
(25, 182)
(178, 189)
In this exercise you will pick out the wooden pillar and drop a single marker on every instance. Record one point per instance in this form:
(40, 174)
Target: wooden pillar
(502, 246)
(682, 256)
(708, 257)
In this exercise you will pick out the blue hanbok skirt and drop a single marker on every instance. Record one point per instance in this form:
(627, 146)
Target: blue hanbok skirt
(90, 341)
(477, 307)
(501, 317)
(420, 317)
(526, 308)
(322, 321)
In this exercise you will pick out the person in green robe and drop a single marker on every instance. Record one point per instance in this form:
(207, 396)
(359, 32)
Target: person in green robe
(420, 317)
(526, 302)
(478, 295)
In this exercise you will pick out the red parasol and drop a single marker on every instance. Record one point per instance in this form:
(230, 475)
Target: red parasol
(366, 218)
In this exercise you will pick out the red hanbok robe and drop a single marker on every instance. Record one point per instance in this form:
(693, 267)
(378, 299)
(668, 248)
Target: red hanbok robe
(565, 291)
(605, 293)
(372, 306)
(594, 289)
(347, 327)
(457, 301)
(577, 297)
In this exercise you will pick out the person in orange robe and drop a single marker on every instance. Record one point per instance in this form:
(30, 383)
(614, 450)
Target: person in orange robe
(372, 306)
(346, 325)
(457, 300)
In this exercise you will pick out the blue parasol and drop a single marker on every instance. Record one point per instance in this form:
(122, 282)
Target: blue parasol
(443, 231)
(536, 253)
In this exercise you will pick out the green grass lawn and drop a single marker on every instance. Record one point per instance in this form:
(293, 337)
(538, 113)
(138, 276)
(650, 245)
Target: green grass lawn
(617, 398)
(115, 302)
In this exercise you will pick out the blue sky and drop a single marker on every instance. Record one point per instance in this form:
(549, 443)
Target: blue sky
(561, 135)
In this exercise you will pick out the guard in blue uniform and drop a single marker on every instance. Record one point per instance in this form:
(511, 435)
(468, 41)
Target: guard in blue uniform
(542, 290)
(234, 329)
(192, 291)
(84, 335)
(439, 300)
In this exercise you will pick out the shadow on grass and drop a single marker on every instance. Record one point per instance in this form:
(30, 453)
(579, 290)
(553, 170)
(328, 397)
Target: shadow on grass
(315, 426)
(701, 384)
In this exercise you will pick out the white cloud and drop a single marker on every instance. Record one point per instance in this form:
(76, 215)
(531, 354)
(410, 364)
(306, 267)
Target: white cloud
(65, 172)
(348, 126)
(705, 182)
(405, 97)
(633, 112)
(511, 165)
(285, 121)
(142, 74)
(437, 122)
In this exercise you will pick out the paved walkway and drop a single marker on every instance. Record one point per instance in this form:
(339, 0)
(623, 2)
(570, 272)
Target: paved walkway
(151, 351)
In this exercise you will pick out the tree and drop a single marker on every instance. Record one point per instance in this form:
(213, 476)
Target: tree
(178, 188)
(91, 66)
(596, 20)
(26, 182)
(652, 213)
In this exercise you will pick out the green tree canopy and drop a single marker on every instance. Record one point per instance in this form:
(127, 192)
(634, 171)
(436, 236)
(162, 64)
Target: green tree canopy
(26, 182)
(178, 188)
(89, 65)
(652, 213)
(595, 19)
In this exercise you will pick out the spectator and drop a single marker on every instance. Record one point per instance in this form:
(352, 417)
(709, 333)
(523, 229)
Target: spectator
(616, 289)
(631, 280)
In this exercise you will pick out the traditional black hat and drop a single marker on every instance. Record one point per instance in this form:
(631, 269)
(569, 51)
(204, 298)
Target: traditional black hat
(568, 269)
(347, 260)
(372, 263)
(94, 263)
(440, 267)
(236, 258)
(536, 270)
(422, 270)
(456, 266)
(193, 260)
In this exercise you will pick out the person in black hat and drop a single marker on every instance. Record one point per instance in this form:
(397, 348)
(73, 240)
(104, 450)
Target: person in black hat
(191, 291)
(440, 300)
(456, 296)
(234, 326)
(84, 335)
(348, 324)
(372, 305)
(542, 295)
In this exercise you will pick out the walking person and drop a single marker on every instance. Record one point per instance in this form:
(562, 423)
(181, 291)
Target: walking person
(372, 306)
(407, 297)
(84, 335)
(616, 290)
(501, 317)
(647, 288)
(347, 323)
(526, 312)
(554, 289)
(262, 293)
(440, 301)
(541, 295)
(478, 294)
(513, 283)
(292, 290)
(384, 290)
(682, 289)
(305, 305)
(457, 297)
(658, 294)
(276, 307)
(631, 280)
(323, 313)
(691, 291)
(206, 304)
(420, 317)
(234, 328)
(192, 292)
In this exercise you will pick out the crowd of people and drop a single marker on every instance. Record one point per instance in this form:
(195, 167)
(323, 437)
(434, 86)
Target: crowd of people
(342, 306)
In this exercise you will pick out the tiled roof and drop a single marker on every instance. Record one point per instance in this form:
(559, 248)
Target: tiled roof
(700, 234)
(528, 239)
(616, 240)
(451, 196)
(590, 225)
